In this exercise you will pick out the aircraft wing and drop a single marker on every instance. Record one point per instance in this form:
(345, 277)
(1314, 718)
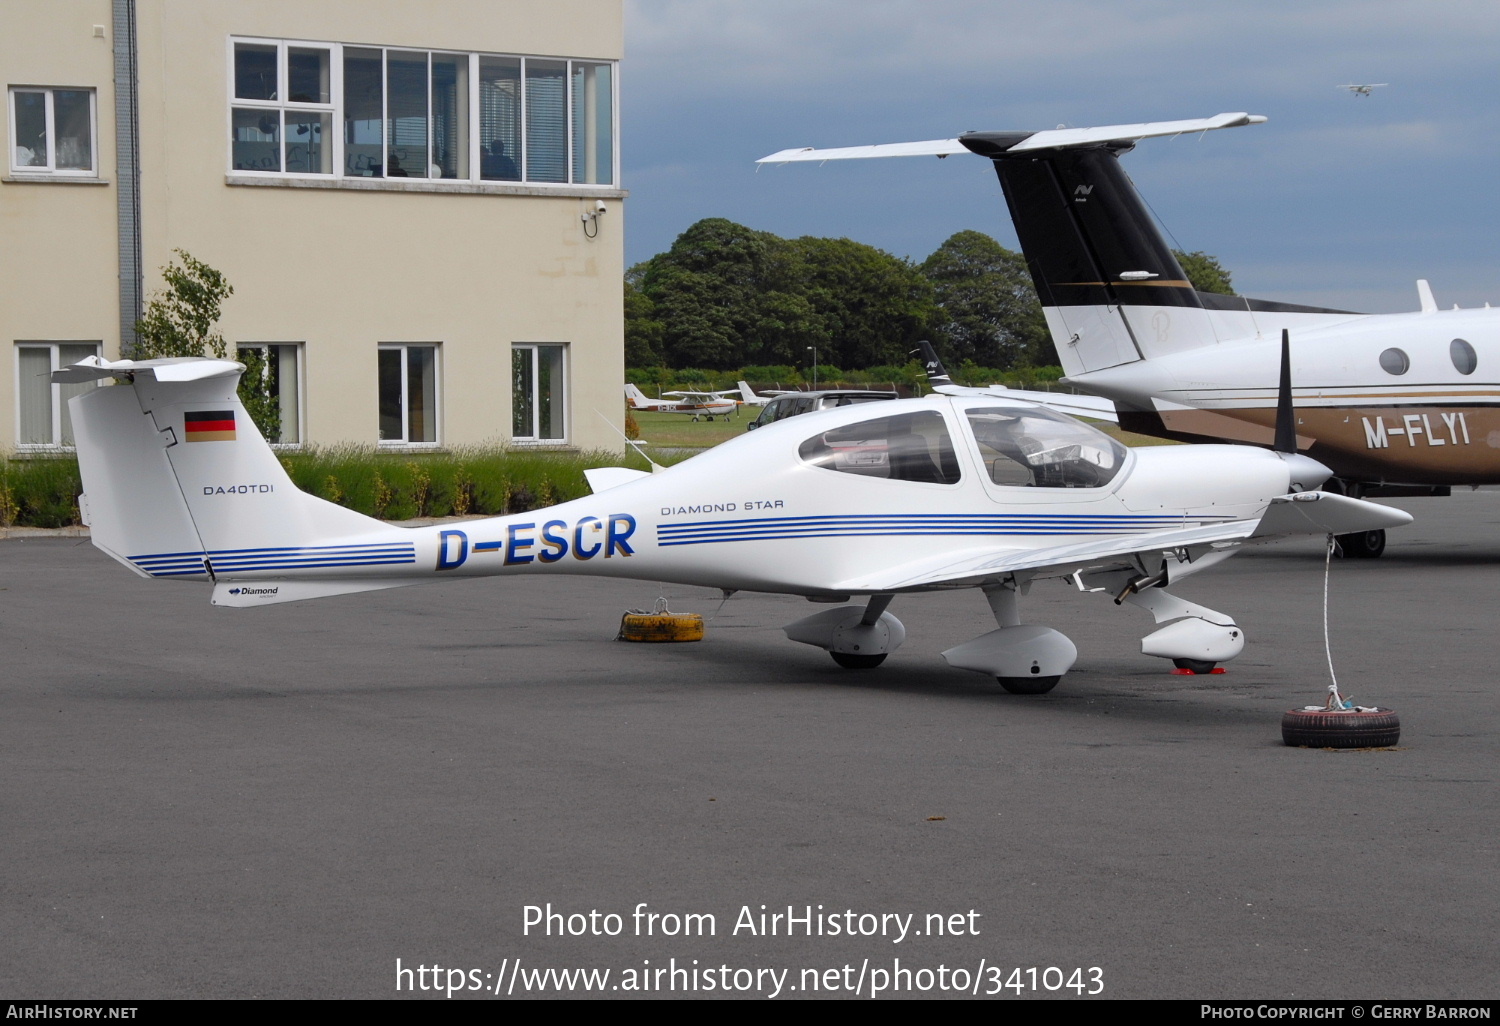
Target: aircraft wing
(1314, 513)
(1091, 406)
(995, 562)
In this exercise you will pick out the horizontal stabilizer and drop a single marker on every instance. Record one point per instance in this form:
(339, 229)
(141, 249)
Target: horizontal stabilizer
(1057, 138)
(1067, 137)
(604, 478)
(930, 148)
(179, 368)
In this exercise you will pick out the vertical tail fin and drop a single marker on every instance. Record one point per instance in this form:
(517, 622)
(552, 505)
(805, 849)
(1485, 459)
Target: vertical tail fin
(177, 478)
(1112, 290)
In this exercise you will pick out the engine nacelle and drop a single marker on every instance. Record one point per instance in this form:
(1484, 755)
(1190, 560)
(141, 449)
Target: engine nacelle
(1016, 652)
(1195, 638)
(841, 630)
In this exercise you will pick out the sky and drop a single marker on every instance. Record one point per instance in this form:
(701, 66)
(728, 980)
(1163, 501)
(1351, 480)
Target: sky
(1336, 200)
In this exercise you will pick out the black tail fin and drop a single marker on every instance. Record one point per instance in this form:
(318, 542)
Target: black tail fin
(937, 375)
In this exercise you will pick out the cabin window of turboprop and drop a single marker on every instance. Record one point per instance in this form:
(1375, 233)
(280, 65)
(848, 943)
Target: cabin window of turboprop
(1465, 360)
(906, 447)
(1042, 449)
(1395, 361)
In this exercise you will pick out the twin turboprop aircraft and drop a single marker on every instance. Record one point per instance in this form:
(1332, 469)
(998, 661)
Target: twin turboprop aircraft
(1394, 404)
(866, 502)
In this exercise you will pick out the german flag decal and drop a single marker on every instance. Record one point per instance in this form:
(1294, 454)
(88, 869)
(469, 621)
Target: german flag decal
(210, 426)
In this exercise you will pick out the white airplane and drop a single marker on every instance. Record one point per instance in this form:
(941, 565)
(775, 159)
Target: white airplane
(1395, 404)
(694, 404)
(1363, 90)
(874, 500)
(748, 396)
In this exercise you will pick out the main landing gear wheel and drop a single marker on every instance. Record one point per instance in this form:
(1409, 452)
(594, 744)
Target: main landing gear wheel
(1029, 685)
(1195, 665)
(1319, 728)
(1363, 545)
(855, 661)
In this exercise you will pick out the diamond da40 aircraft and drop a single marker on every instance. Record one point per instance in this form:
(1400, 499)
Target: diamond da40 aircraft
(1394, 404)
(871, 501)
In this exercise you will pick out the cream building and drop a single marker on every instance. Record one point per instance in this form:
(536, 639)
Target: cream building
(418, 206)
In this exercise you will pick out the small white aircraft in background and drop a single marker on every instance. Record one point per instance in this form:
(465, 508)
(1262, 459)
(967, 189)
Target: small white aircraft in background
(1363, 90)
(748, 397)
(874, 501)
(1395, 404)
(694, 404)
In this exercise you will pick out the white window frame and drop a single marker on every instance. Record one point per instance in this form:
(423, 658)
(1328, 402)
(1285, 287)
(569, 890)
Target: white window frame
(437, 396)
(335, 141)
(51, 170)
(336, 109)
(532, 439)
(55, 445)
(300, 350)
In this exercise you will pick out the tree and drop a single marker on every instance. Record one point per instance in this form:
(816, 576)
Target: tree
(990, 312)
(725, 296)
(1204, 272)
(179, 321)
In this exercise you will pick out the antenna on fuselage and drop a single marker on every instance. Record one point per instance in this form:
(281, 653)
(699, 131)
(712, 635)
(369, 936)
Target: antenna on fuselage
(634, 443)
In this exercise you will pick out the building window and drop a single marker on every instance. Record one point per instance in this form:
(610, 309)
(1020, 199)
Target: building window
(282, 115)
(408, 394)
(52, 132)
(279, 367)
(42, 407)
(538, 380)
(421, 114)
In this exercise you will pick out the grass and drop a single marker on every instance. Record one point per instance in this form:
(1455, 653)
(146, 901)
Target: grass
(39, 492)
(680, 431)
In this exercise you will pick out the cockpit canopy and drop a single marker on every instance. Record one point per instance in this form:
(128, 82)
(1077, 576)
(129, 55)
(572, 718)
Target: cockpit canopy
(1017, 445)
(1043, 449)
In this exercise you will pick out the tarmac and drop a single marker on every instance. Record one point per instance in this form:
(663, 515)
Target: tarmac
(311, 799)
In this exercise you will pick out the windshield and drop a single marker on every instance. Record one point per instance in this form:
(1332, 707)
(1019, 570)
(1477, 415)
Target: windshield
(1042, 449)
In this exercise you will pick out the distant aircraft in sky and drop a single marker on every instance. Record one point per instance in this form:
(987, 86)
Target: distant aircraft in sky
(1363, 89)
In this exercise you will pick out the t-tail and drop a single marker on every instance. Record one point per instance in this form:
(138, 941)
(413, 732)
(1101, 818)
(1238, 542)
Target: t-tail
(179, 483)
(1112, 290)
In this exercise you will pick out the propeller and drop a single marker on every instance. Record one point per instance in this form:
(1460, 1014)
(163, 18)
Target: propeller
(1305, 472)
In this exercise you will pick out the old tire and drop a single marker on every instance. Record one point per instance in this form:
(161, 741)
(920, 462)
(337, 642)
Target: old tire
(661, 627)
(1301, 728)
(1029, 685)
(856, 661)
(1362, 544)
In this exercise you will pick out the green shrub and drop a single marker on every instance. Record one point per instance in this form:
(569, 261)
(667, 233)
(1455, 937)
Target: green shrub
(40, 492)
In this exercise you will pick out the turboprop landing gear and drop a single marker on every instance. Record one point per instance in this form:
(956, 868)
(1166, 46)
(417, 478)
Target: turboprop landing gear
(1026, 660)
(857, 639)
(1364, 545)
